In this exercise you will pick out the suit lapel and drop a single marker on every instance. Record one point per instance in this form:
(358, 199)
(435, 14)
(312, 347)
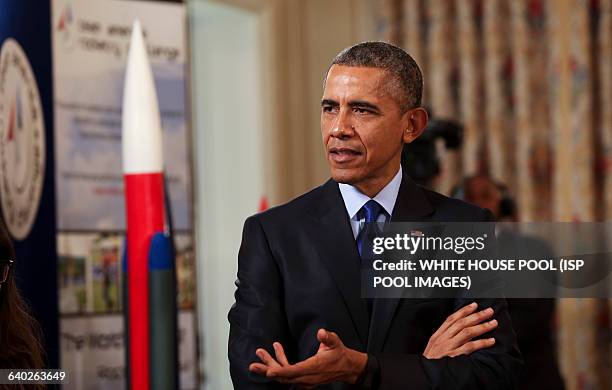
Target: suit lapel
(411, 206)
(338, 251)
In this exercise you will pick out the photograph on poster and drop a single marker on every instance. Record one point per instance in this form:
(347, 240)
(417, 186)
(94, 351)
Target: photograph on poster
(185, 271)
(106, 253)
(72, 284)
(90, 272)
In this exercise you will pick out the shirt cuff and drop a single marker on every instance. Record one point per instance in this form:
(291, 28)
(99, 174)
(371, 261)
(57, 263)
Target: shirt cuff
(370, 377)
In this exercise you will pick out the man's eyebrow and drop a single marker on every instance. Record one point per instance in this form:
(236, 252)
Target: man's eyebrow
(352, 104)
(329, 102)
(364, 104)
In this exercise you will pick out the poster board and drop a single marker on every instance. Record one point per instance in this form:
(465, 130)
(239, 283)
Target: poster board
(90, 41)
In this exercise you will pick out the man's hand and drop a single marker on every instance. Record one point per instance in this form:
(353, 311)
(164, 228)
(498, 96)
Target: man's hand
(333, 362)
(455, 335)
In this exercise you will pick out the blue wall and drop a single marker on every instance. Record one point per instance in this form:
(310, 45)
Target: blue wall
(28, 22)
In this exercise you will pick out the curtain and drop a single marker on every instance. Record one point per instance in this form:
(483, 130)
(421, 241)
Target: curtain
(531, 81)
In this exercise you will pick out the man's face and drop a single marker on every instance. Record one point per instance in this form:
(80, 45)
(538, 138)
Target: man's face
(363, 126)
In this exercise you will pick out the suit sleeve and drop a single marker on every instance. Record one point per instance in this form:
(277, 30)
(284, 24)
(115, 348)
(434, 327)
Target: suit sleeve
(497, 367)
(492, 368)
(257, 317)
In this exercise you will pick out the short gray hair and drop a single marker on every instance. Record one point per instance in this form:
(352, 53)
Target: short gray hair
(407, 85)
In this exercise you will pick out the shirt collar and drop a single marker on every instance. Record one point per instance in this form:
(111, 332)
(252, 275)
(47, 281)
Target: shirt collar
(355, 199)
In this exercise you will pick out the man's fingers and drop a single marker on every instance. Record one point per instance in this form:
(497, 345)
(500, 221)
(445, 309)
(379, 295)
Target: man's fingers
(304, 368)
(471, 332)
(459, 314)
(473, 346)
(330, 339)
(293, 374)
(280, 354)
(471, 320)
(265, 357)
(258, 368)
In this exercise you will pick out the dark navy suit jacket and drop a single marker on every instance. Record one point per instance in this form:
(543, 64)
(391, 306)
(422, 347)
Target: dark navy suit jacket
(298, 271)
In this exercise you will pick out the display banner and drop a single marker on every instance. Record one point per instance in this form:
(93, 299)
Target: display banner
(90, 46)
(94, 354)
(90, 304)
(27, 191)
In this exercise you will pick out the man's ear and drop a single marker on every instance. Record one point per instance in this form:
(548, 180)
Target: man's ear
(416, 121)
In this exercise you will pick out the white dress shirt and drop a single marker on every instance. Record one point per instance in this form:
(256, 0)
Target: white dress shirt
(355, 199)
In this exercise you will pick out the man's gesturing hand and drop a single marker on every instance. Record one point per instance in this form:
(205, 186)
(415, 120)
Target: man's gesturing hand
(333, 362)
(455, 335)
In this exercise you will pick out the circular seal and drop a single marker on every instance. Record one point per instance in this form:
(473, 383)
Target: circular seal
(22, 141)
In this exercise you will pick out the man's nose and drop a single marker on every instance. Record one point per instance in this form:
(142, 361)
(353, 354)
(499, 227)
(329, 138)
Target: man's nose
(343, 126)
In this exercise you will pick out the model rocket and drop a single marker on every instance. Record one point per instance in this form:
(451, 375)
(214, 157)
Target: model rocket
(146, 256)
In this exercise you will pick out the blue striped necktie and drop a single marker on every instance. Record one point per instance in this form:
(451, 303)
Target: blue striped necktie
(369, 229)
(370, 213)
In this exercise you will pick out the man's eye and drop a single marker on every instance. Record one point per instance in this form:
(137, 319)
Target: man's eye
(328, 108)
(360, 110)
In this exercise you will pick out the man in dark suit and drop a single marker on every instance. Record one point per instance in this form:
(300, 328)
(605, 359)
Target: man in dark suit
(299, 318)
(533, 318)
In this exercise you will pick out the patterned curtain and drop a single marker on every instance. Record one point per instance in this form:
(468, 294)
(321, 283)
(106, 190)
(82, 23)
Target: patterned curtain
(531, 81)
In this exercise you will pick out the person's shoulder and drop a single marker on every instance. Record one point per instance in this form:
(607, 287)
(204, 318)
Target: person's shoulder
(296, 208)
(454, 209)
